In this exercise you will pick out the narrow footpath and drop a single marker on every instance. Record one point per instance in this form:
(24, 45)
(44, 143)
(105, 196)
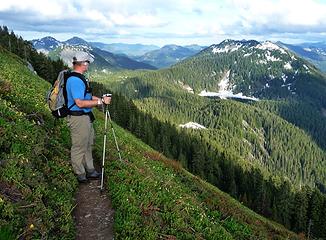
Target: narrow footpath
(93, 214)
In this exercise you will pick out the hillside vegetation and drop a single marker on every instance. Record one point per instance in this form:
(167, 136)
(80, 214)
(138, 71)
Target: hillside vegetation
(36, 183)
(153, 196)
(261, 133)
(264, 153)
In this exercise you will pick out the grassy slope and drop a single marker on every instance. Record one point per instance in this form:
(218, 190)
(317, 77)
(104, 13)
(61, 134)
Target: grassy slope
(153, 197)
(36, 183)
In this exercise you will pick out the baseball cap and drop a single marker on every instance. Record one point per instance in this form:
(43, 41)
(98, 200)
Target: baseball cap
(82, 57)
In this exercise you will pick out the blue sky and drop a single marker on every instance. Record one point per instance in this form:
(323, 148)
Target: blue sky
(163, 22)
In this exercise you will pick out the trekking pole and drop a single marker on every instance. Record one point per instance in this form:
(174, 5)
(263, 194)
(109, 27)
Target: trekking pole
(104, 145)
(115, 139)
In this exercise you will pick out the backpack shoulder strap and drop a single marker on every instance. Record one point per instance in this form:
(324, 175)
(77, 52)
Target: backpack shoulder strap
(68, 74)
(81, 77)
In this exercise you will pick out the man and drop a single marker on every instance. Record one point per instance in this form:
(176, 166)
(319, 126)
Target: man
(80, 119)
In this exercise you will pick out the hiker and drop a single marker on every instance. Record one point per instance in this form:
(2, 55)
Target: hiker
(80, 118)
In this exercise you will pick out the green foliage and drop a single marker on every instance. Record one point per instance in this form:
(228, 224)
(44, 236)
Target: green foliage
(258, 136)
(154, 197)
(242, 150)
(306, 116)
(6, 233)
(37, 184)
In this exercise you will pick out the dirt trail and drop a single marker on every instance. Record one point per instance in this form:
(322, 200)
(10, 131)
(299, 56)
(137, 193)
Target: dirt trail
(93, 213)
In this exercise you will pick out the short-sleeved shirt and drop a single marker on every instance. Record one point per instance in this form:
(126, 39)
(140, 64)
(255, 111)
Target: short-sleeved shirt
(76, 90)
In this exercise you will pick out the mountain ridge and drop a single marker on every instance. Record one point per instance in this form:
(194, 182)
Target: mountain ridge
(315, 53)
(261, 70)
(131, 50)
(169, 55)
(103, 60)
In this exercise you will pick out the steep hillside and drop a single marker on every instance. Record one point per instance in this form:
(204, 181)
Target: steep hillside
(313, 52)
(153, 196)
(257, 136)
(36, 183)
(252, 69)
(121, 61)
(272, 196)
(280, 137)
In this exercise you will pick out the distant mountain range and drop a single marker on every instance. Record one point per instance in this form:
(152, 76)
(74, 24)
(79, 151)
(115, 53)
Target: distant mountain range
(104, 60)
(131, 50)
(313, 52)
(117, 55)
(163, 57)
(169, 55)
(140, 56)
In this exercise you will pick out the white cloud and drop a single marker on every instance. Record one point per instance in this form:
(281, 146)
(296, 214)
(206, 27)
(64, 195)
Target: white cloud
(52, 9)
(181, 20)
(136, 20)
(290, 15)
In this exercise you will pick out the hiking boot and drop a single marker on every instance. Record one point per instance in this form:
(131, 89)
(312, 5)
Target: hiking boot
(82, 178)
(94, 175)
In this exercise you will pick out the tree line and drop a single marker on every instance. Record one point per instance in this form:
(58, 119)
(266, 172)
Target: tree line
(42, 65)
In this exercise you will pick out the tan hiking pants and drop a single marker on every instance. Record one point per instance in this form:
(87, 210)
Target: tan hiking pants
(82, 138)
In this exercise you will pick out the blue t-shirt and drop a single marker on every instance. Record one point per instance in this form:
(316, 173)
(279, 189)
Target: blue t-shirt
(76, 90)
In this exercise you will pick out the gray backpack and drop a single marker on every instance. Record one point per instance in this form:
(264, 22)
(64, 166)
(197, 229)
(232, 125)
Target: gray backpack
(56, 97)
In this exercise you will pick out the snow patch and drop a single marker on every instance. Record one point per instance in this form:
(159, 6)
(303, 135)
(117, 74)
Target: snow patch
(224, 90)
(288, 66)
(267, 45)
(284, 77)
(271, 58)
(223, 85)
(225, 95)
(307, 68)
(186, 87)
(228, 48)
(268, 57)
(192, 125)
(42, 50)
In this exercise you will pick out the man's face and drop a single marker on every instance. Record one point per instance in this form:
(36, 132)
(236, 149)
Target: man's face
(85, 65)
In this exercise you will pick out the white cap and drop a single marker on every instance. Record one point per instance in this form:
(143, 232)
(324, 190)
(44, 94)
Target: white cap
(82, 57)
